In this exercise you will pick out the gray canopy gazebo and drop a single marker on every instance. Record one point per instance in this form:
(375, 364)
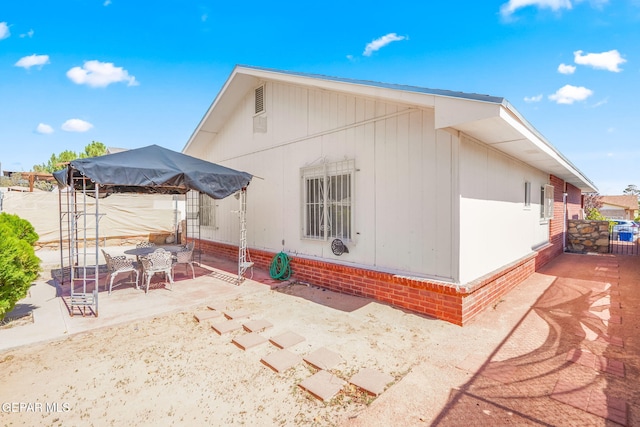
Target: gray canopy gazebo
(147, 170)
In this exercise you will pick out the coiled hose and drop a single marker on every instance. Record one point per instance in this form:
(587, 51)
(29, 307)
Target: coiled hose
(280, 268)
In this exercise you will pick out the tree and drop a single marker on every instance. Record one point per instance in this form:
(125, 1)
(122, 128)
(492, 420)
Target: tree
(631, 190)
(58, 162)
(592, 201)
(592, 206)
(94, 149)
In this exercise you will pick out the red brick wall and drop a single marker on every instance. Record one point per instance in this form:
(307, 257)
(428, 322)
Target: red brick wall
(441, 300)
(574, 202)
(431, 298)
(557, 223)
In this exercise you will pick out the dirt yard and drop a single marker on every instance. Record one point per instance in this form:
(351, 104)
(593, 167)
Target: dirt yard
(515, 364)
(172, 370)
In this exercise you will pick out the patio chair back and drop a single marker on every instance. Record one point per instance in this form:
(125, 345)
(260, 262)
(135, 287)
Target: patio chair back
(159, 261)
(116, 265)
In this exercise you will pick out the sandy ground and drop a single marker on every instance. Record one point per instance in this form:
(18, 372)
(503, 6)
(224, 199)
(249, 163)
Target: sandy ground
(172, 370)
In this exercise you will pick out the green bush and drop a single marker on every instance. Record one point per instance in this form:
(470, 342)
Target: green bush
(594, 214)
(19, 264)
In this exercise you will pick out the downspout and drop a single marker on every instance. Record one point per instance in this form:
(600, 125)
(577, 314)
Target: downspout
(565, 218)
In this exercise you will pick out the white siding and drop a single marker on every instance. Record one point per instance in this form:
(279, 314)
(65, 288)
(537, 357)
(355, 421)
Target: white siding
(495, 227)
(403, 187)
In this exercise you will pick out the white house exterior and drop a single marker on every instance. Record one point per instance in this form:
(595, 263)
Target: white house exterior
(430, 186)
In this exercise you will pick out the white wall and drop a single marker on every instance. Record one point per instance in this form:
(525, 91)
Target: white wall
(403, 201)
(496, 228)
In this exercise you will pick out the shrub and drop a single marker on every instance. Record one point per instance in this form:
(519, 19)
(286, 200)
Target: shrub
(595, 215)
(19, 264)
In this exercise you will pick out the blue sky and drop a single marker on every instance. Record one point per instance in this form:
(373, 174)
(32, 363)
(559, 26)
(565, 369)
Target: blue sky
(134, 73)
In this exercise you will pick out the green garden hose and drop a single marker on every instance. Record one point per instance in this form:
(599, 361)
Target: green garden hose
(280, 268)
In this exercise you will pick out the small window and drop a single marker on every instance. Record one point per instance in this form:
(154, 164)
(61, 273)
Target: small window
(527, 194)
(327, 196)
(207, 211)
(259, 100)
(546, 202)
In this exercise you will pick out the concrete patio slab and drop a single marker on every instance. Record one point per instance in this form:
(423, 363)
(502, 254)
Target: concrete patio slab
(286, 339)
(323, 358)
(323, 385)
(281, 360)
(237, 314)
(371, 381)
(203, 315)
(226, 326)
(258, 325)
(248, 341)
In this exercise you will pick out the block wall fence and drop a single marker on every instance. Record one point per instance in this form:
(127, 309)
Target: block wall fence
(455, 304)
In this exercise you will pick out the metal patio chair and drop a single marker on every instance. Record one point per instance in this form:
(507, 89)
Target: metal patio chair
(185, 257)
(119, 264)
(159, 261)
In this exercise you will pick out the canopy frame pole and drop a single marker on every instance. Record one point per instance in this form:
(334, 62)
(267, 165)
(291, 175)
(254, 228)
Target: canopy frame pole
(244, 259)
(81, 216)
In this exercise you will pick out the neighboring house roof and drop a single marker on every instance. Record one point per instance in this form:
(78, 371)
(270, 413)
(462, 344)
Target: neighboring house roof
(624, 201)
(492, 120)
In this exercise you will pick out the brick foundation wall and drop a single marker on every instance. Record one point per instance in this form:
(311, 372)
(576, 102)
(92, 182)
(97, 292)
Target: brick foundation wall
(444, 301)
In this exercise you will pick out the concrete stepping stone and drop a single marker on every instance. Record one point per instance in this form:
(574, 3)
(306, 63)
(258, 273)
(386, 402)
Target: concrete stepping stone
(371, 381)
(286, 339)
(257, 325)
(323, 358)
(281, 360)
(323, 385)
(248, 341)
(226, 326)
(203, 315)
(236, 314)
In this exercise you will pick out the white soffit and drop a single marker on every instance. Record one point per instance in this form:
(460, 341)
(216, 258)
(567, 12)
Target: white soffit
(499, 128)
(451, 112)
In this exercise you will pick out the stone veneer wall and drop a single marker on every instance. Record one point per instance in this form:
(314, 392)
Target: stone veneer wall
(588, 236)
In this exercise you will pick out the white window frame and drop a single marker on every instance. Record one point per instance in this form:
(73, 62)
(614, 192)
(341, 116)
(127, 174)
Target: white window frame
(207, 211)
(328, 214)
(527, 194)
(546, 202)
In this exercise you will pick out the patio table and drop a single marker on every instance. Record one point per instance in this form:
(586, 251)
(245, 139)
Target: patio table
(150, 249)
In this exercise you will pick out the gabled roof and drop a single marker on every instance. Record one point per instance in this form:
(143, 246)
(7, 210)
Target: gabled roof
(624, 201)
(489, 119)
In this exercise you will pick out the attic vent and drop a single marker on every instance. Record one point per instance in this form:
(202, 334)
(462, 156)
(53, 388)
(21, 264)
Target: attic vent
(259, 99)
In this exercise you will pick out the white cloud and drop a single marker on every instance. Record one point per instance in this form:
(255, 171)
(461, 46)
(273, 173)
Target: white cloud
(381, 42)
(536, 98)
(600, 103)
(4, 30)
(27, 62)
(100, 74)
(27, 34)
(601, 61)
(569, 94)
(76, 125)
(512, 5)
(106, 3)
(44, 128)
(566, 69)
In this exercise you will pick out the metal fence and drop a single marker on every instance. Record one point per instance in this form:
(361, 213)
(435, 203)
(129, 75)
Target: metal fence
(624, 241)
